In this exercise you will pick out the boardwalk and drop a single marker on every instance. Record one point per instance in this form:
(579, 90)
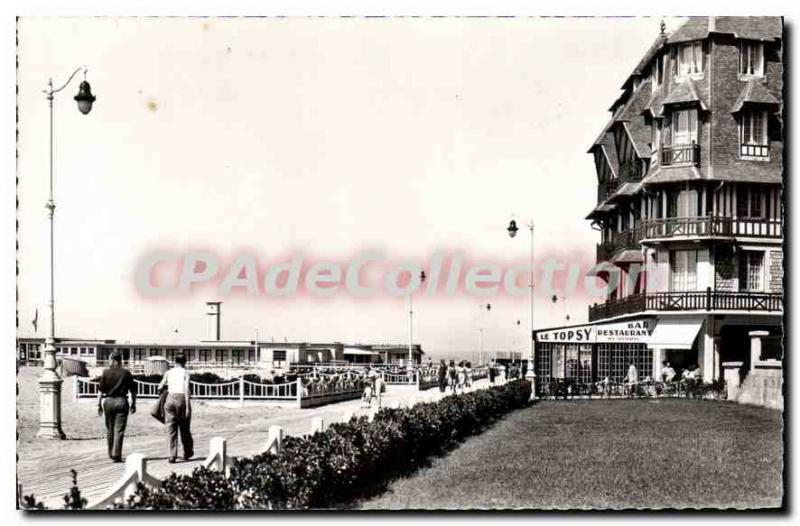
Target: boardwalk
(43, 466)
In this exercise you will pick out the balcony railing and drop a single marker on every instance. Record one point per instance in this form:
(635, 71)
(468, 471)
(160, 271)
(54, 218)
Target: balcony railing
(755, 150)
(631, 171)
(680, 154)
(709, 300)
(625, 240)
(711, 226)
(606, 189)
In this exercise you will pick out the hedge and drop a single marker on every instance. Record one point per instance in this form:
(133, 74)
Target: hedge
(347, 461)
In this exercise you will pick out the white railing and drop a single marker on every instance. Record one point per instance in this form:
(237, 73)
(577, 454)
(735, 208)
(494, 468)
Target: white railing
(304, 392)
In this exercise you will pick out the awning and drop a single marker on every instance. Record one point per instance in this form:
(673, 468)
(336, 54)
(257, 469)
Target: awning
(674, 334)
(360, 352)
(628, 256)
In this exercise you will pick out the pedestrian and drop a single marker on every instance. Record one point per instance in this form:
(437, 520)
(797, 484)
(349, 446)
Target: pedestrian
(492, 371)
(632, 378)
(442, 376)
(380, 386)
(452, 374)
(178, 409)
(116, 383)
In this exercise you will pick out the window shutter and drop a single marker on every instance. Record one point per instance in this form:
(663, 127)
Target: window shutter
(747, 128)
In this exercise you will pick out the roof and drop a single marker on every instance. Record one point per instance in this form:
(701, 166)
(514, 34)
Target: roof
(644, 62)
(625, 190)
(628, 256)
(754, 92)
(600, 210)
(673, 175)
(684, 92)
(654, 105)
(751, 27)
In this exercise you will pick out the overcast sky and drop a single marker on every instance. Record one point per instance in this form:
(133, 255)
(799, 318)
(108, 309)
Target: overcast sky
(325, 136)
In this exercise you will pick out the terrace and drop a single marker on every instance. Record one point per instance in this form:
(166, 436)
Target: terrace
(708, 300)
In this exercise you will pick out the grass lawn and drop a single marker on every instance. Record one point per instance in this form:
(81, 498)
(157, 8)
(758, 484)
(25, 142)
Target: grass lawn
(668, 453)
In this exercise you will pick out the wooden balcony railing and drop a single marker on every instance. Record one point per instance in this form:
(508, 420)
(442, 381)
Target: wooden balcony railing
(708, 300)
(680, 154)
(711, 226)
(627, 240)
(606, 189)
(631, 171)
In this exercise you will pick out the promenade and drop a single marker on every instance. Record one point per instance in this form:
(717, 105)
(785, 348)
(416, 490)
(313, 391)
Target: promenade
(43, 466)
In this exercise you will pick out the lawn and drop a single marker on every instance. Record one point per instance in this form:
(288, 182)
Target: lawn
(668, 453)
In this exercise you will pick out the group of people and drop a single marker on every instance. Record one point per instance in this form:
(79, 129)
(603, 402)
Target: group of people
(117, 384)
(669, 378)
(455, 377)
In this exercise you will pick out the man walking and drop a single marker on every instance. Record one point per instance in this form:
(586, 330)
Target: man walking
(442, 376)
(178, 409)
(112, 399)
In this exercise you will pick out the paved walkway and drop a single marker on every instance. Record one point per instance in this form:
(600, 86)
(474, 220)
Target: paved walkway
(43, 465)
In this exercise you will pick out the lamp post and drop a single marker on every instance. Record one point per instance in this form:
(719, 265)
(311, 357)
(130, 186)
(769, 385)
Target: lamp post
(50, 381)
(488, 307)
(422, 277)
(531, 374)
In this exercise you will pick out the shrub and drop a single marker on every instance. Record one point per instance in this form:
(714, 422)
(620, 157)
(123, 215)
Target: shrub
(347, 461)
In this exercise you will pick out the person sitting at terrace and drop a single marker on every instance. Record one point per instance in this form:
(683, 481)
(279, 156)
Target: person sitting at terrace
(632, 378)
(667, 373)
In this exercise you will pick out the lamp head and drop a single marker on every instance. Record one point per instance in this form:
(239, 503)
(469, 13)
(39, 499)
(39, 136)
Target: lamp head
(84, 98)
(512, 228)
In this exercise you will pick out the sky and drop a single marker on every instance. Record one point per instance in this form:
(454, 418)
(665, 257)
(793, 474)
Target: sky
(321, 136)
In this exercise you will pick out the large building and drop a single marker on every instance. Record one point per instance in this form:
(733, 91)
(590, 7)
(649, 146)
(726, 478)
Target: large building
(689, 209)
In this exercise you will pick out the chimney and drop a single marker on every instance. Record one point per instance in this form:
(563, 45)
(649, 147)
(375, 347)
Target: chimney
(213, 321)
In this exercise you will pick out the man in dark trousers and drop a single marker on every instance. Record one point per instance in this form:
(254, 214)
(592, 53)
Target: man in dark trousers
(492, 371)
(442, 376)
(112, 399)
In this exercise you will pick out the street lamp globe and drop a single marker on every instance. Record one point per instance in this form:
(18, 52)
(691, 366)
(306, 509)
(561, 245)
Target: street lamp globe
(84, 98)
(512, 228)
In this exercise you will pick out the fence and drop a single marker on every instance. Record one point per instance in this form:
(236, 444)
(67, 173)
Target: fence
(303, 392)
(569, 389)
(218, 457)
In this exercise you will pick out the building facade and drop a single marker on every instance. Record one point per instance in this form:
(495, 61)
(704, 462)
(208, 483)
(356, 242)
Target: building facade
(689, 208)
(275, 357)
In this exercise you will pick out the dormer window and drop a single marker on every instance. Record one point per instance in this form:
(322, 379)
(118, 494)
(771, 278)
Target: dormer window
(657, 73)
(751, 58)
(690, 59)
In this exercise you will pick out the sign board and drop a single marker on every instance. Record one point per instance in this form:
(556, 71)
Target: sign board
(633, 331)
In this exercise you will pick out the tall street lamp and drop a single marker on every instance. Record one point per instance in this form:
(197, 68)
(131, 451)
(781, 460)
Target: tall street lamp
(531, 374)
(488, 307)
(422, 277)
(50, 381)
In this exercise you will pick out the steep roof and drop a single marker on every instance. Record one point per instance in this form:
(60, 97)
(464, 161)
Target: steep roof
(641, 67)
(751, 27)
(754, 92)
(684, 92)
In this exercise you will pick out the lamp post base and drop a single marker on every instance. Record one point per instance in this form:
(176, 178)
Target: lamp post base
(50, 406)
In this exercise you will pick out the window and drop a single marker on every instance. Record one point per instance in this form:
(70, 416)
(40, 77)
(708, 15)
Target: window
(251, 356)
(138, 355)
(219, 355)
(690, 59)
(237, 356)
(205, 355)
(750, 202)
(753, 134)
(751, 265)
(655, 135)
(278, 358)
(684, 127)
(657, 72)
(683, 270)
(751, 58)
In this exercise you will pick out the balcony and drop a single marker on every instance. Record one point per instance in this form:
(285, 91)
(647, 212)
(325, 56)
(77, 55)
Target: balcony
(685, 154)
(606, 189)
(711, 227)
(631, 171)
(626, 240)
(709, 300)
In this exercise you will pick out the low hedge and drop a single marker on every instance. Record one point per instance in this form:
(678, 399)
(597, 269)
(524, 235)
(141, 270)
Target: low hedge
(347, 461)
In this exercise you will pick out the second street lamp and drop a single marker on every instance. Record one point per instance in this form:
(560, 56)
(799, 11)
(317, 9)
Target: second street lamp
(531, 374)
(422, 277)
